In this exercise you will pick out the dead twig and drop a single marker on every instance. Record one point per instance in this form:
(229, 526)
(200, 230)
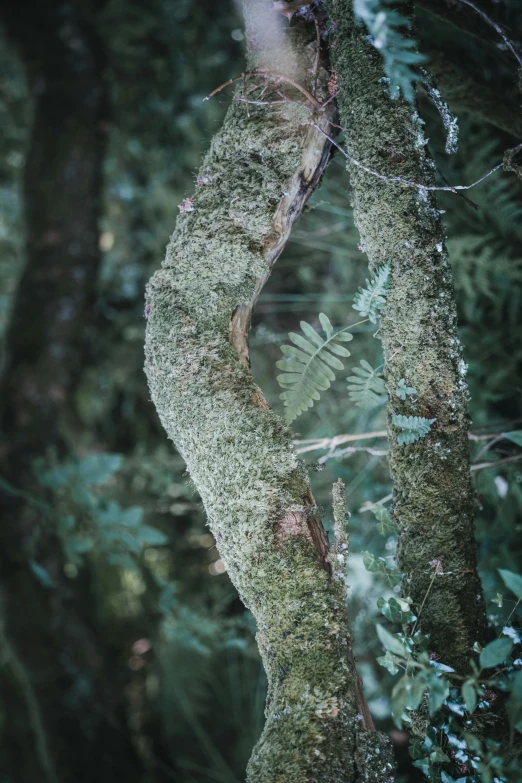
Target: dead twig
(270, 76)
(332, 443)
(406, 182)
(314, 444)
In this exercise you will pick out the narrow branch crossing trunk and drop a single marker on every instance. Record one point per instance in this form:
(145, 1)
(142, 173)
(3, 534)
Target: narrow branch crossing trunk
(258, 174)
(433, 495)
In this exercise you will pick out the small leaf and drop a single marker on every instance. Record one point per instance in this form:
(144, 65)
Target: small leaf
(438, 755)
(366, 387)
(369, 301)
(98, 468)
(439, 690)
(400, 697)
(149, 536)
(515, 437)
(495, 652)
(386, 526)
(131, 517)
(390, 642)
(512, 581)
(76, 546)
(389, 661)
(415, 748)
(42, 575)
(402, 391)
(469, 694)
(309, 368)
(344, 337)
(326, 324)
(416, 687)
(472, 742)
(311, 333)
(393, 611)
(412, 428)
(57, 478)
(167, 598)
(123, 561)
(424, 765)
(83, 496)
(377, 565)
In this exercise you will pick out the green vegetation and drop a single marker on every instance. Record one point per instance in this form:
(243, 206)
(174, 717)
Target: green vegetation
(151, 594)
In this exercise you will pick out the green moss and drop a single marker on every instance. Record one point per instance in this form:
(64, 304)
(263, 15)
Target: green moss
(433, 498)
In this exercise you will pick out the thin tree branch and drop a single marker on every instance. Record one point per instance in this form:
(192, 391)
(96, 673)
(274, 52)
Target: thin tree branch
(483, 465)
(409, 183)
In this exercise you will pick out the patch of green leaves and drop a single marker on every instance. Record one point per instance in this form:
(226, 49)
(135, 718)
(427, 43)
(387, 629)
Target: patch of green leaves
(496, 652)
(469, 694)
(369, 301)
(309, 366)
(403, 390)
(385, 524)
(512, 581)
(411, 428)
(387, 26)
(86, 521)
(397, 610)
(377, 565)
(515, 437)
(366, 387)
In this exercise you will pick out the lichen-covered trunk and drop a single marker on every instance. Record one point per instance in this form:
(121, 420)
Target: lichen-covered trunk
(254, 181)
(432, 493)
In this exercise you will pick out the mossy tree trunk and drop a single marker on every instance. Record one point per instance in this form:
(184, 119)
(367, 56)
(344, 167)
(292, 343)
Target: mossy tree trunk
(261, 167)
(62, 689)
(432, 496)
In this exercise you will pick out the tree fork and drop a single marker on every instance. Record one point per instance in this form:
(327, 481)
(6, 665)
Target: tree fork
(262, 166)
(432, 497)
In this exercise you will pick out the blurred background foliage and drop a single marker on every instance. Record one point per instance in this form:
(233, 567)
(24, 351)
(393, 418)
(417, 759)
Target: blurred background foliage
(124, 650)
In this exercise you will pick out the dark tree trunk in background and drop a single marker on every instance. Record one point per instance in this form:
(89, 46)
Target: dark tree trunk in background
(59, 683)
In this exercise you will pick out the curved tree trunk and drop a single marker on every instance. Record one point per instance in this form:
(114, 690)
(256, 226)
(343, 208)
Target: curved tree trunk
(432, 496)
(261, 168)
(61, 685)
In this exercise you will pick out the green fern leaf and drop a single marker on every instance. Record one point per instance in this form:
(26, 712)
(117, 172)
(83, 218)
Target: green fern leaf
(412, 428)
(309, 368)
(390, 34)
(403, 390)
(366, 387)
(369, 301)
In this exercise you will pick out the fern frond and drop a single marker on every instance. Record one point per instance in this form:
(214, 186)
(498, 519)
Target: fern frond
(366, 386)
(369, 301)
(399, 54)
(412, 428)
(403, 390)
(309, 368)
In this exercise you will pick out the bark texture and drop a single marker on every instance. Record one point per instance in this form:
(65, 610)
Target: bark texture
(432, 497)
(255, 179)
